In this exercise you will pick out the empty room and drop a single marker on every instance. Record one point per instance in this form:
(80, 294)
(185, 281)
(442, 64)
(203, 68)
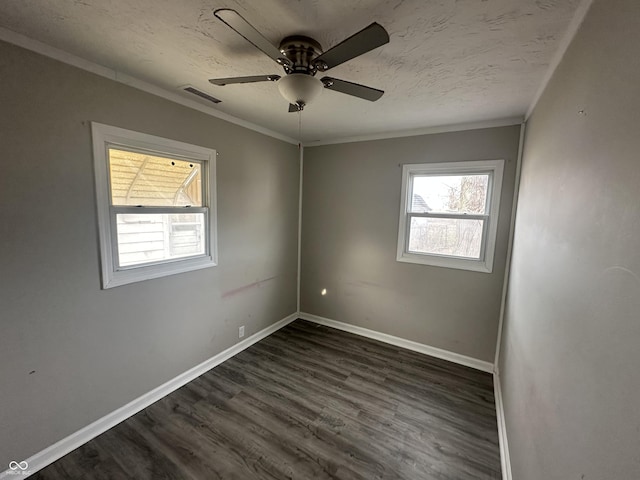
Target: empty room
(301, 239)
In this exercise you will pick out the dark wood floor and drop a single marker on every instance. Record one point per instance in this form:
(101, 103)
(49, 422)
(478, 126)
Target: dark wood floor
(307, 402)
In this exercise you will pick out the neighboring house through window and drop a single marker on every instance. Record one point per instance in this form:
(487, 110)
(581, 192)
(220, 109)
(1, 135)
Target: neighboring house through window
(156, 205)
(449, 214)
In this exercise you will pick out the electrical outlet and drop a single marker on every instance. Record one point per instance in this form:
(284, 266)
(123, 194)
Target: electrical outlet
(241, 332)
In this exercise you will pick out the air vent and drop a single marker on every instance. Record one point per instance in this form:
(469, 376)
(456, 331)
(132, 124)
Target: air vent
(201, 94)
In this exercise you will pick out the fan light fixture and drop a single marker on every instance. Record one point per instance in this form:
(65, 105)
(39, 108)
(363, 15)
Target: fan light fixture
(300, 89)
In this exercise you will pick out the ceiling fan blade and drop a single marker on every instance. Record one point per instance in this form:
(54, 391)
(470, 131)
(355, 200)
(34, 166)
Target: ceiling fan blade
(234, 20)
(354, 89)
(255, 78)
(293, 108)
(364, 41)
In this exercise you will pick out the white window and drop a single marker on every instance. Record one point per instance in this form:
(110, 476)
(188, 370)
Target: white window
(156, 205)
(449, 214)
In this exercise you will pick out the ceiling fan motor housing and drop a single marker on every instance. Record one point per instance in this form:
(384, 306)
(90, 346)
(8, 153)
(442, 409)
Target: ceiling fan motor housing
(301, 51)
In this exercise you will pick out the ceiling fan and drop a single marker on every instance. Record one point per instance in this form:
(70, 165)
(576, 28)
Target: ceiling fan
(301, 58)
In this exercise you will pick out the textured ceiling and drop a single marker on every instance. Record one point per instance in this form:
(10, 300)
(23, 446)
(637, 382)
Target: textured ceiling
(448, 61)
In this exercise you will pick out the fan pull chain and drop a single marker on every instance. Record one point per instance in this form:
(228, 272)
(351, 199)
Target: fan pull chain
(300, 128)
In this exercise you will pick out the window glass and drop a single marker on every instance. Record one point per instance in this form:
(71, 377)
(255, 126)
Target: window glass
(450, 194)
(150, 180)
(446, 236)
(152, 237)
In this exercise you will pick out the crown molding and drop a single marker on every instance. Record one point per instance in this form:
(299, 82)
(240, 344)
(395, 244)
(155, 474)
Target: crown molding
(41, 48)
(28, 43)
(459, 127)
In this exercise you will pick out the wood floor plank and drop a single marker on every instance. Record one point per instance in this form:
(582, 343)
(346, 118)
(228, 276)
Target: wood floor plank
(307, 402)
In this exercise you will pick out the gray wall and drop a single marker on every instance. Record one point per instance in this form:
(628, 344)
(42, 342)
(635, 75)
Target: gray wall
(94, 350)
(570, 363)
(351, 203)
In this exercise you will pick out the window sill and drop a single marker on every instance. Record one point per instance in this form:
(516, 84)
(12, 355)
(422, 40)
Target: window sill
(148, 272)
(446, 262)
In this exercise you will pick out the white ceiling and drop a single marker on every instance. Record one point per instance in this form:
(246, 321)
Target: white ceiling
(448, 61)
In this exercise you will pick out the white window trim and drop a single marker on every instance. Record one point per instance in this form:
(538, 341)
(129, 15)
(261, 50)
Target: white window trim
(105, 136)
(485, 263)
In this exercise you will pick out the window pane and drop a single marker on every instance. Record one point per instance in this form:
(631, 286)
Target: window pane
(446, 236)
(449, 194)
(149, 180)
(153, 237)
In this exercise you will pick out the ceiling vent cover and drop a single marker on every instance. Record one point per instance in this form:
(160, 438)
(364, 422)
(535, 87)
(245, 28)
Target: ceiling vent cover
(201, 94)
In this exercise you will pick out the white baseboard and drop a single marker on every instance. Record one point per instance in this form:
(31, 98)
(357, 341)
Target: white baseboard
(505, 459)
(488, 367)
(401, 342)
(59, 449)
(82, 436)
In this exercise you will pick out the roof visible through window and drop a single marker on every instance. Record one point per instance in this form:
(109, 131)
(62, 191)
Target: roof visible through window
(150, 180)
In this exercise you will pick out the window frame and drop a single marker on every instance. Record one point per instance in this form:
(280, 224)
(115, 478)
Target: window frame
(495, 169)
(113, 275)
